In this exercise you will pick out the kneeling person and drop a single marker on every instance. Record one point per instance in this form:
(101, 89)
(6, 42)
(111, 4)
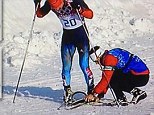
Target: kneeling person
(124, 72)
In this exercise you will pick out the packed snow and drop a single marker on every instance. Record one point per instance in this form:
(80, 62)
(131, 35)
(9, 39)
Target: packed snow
(127, 24)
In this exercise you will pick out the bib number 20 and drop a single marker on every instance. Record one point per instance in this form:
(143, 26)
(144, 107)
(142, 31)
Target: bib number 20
(69, 23)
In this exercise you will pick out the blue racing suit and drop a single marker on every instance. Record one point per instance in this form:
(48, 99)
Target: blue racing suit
(74, 37)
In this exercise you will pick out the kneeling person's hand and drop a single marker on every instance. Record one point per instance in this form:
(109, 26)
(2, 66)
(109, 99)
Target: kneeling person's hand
(91, 98)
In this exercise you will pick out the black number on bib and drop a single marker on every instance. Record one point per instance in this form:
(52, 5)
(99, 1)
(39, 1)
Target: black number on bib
(69, 23)
(72, 22)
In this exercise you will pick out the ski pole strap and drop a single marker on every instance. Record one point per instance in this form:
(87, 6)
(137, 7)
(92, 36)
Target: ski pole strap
(111, 68)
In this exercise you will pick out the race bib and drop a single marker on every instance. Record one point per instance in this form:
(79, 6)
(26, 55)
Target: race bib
(71, 22)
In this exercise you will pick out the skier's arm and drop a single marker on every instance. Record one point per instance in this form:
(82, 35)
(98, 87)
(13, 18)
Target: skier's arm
(83, 8)
(44, 10)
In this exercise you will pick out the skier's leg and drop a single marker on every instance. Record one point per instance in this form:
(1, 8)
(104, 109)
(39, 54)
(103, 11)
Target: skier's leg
(83, 51)
(87, 72)
(67, 52)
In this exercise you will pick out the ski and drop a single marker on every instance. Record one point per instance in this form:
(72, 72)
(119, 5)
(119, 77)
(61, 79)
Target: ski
(104, 102)
(76, 104)
(77, 100)
(81, 102)
(108, 102)
(73, 105)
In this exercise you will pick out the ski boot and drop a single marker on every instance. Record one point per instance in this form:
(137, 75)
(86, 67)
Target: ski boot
(68, 95)
(122, 101)
(137, 95)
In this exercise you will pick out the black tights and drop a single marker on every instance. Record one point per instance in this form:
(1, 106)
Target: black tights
(126, 82)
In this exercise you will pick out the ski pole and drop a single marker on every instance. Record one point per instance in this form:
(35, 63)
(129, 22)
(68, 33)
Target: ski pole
(23, 63)
(97, 57)
(86, 31)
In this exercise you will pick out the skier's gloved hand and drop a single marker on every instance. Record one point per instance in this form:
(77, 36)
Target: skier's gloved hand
(36, 2)
(75, 5)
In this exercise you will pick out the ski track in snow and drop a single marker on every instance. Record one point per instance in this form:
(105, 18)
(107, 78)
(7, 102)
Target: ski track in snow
(40, 90)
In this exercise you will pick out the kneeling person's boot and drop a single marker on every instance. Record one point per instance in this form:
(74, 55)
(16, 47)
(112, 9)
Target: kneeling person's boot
(122, 101)
(137, 95)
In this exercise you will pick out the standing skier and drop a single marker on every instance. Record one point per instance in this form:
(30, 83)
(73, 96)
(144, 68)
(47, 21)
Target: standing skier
(124, 72)
(71, 14)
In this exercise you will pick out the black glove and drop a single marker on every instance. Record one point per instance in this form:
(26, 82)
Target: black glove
(93, 50)
(75, 5)
(36, 1)
(101, 95)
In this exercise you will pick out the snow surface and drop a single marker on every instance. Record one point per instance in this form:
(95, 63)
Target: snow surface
(127, 24)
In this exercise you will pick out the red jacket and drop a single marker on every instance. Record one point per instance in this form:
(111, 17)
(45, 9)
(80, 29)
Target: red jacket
(102, 86)
(41, 12)
(110, 60)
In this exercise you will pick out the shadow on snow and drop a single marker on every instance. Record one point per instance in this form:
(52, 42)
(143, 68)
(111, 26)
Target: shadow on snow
(45, 93)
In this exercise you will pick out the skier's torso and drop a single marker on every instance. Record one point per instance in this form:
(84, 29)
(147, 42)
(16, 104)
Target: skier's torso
(135, 65)
(68, 16)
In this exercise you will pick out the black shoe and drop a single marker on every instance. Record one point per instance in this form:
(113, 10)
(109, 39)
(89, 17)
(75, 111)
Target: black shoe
(138, 95)
(68, 95)
(101, 95)
(122, 101)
